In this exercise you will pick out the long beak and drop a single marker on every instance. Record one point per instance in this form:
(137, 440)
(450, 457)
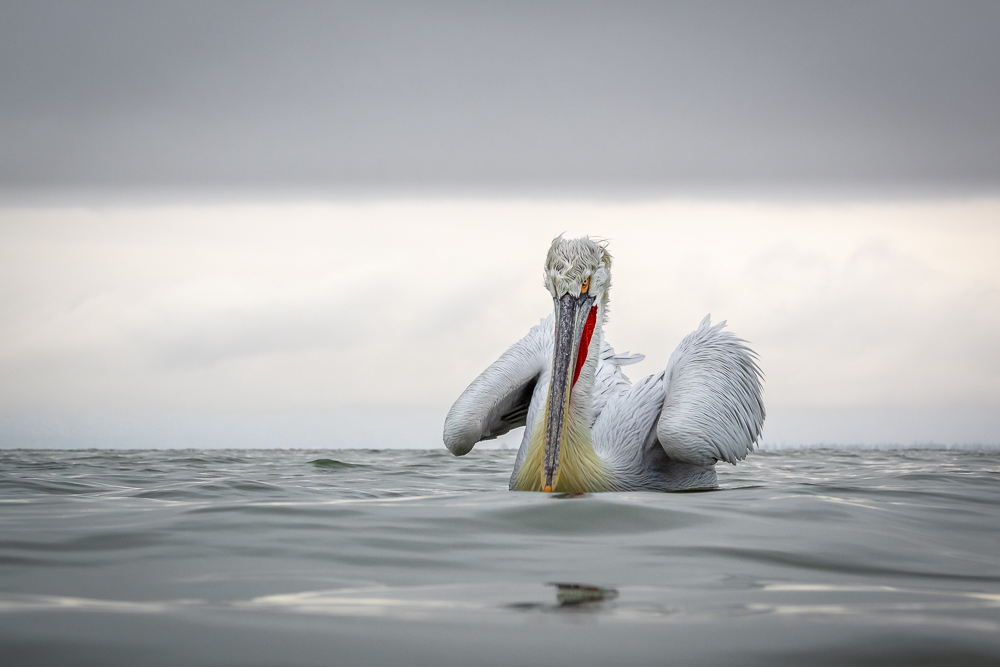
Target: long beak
(571, 315)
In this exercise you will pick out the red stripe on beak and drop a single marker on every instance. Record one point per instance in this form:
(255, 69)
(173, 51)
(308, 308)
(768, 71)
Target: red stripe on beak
(581, 355)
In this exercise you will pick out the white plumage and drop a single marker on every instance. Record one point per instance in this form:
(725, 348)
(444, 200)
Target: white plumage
(663, 433)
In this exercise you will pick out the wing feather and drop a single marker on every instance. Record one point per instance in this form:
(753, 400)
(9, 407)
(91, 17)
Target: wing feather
(609, 381)
(712, 409)
(497, 401)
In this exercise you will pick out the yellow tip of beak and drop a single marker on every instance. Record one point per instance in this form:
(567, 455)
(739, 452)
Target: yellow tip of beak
(547, 489)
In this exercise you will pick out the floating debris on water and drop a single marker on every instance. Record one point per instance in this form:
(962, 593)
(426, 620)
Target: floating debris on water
(570, 595)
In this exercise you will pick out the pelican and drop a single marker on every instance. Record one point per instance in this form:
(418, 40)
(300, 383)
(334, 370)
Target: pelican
(588, 428)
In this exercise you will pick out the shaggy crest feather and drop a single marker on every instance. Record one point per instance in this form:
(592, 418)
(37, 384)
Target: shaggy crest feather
(571, 261)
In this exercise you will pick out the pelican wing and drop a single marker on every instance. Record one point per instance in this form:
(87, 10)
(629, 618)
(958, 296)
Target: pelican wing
(712, 408)
(497, 401)
(610, 381)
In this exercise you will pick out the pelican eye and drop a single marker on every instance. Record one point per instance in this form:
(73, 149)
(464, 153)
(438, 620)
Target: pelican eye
(585, 286)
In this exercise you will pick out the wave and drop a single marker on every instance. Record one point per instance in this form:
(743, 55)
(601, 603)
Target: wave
(766, 447)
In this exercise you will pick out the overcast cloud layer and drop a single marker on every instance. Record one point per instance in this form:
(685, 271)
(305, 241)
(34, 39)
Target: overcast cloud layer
(572, 97)
(332, 308)
(875, 323)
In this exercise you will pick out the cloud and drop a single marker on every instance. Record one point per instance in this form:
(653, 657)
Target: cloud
(324, 306)
(633, 97)
(220, 318)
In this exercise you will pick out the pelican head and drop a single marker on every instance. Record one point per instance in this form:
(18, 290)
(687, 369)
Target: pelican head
(578, 276)
(574, 264)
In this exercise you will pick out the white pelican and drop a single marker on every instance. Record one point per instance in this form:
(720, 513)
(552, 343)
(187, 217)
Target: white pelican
(588, 427)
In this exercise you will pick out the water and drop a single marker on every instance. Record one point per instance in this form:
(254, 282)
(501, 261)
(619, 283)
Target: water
(300, 557)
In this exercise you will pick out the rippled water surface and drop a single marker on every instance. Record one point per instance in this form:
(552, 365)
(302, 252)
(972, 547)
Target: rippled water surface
(299, 557)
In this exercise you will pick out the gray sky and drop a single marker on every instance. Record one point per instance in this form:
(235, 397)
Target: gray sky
(249, 97)
(251, 223)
